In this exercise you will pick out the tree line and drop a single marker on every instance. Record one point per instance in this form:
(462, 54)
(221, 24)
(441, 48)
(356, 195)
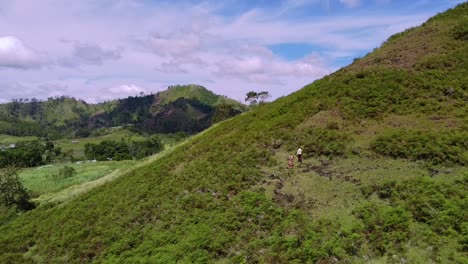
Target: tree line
(125, 149)
(25, 154)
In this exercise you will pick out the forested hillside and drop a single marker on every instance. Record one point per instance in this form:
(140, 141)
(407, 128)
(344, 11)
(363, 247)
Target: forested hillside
(187, 108)
(384, 179)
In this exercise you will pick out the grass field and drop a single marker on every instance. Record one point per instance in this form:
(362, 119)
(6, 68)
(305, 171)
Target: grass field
(67, 194)
(7, 139)
(40, 180)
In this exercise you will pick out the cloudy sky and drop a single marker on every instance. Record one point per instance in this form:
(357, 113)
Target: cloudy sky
(99, 50)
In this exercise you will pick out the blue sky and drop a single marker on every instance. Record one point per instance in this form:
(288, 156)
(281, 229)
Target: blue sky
(100, 50)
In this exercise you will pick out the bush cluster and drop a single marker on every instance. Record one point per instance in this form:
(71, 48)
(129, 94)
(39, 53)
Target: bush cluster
(386, 228)
(65, 172)
(12, 191)
(123, 150)
(461, 31)
(438, 208)
(324, 142)
(437, 148)
(439, 205)
(25, 154)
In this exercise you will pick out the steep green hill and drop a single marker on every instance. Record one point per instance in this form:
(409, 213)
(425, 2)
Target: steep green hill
(193, 91)
(384, 178)
(187, 108)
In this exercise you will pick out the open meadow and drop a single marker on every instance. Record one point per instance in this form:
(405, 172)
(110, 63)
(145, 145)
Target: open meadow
(46, 179)
(8, 139)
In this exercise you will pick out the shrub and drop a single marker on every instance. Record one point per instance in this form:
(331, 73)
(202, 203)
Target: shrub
(66, 172)
(25, 154)
(461, 31)
(320, 141)
(333, 125)
(437, 148)
(63, 173)
(440, 205)
(299, 239)
(12, 191)
(386, 227)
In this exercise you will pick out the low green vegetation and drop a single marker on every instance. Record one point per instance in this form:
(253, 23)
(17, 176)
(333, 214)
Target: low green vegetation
(324, 142)
(437, 148)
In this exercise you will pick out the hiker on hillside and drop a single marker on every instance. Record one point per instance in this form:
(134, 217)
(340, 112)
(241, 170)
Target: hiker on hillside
(299, 155)
(290, 162)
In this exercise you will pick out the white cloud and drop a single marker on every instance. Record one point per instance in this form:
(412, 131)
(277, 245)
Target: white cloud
(127, 89)
(242, 66)
(266, 68)
(313, 66)
(15, 54)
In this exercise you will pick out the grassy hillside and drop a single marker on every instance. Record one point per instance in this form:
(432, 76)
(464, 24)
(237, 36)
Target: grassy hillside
(384, 178)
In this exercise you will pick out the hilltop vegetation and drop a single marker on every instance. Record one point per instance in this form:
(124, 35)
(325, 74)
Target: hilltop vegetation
(371, 189)
(187, 108)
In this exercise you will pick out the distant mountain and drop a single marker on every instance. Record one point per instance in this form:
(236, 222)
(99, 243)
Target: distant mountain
(188, 108)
